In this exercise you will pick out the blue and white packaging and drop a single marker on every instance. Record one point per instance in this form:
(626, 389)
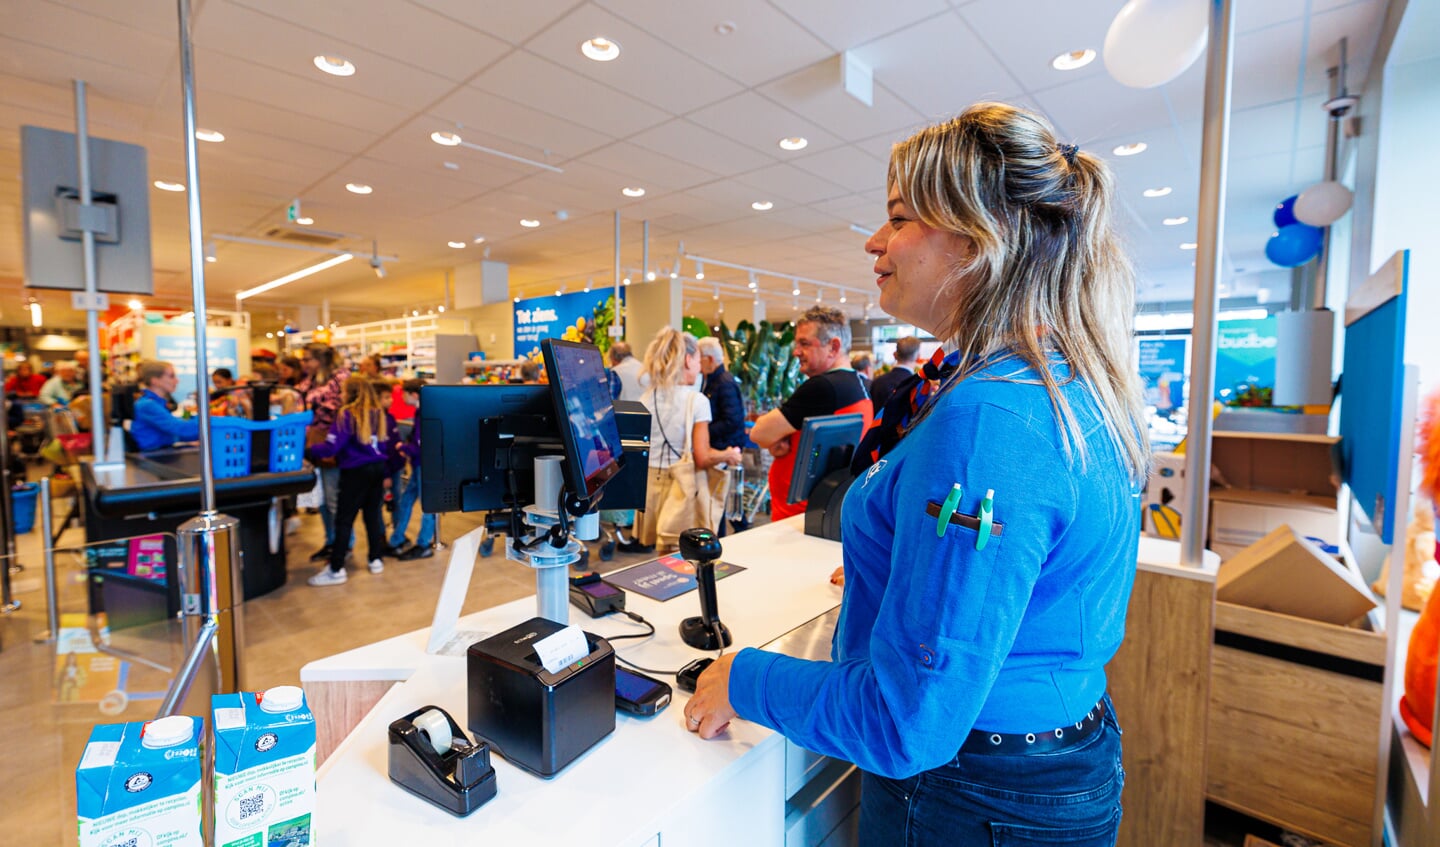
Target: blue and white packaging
(138, 784)
(264, 768)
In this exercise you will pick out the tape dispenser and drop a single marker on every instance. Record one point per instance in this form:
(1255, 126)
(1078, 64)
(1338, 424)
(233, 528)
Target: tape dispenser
(432, 758)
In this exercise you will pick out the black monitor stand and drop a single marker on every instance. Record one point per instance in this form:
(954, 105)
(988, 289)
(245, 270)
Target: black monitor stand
(822, 510)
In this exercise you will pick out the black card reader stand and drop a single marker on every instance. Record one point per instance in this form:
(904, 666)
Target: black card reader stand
(701, 548)
(458, 780)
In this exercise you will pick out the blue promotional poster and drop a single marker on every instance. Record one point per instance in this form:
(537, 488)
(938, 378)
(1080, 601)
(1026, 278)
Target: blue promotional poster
(1163, 363)
(1245, 360)
(179, 350)
(582, 316)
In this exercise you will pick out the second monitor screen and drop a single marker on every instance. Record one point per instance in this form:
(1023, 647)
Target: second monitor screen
(584, 390)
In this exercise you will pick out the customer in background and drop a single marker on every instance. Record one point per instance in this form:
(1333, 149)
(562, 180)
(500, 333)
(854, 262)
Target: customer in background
(727, 420)
(990, 551)
(223, 380)
(24, 382)
(61, 388)
(370, 366)
(822, 343)
(906, 349)
(424, 546)
(864, 368)
(290, 371)
(530, 372)
(677, 497)
(629, 369)
(363, 442)
(323, 393)
(154, 427)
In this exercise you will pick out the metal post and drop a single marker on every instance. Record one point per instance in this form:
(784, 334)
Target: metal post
(1211, 234)
(619, 312)
(645, 251)
(8, 603)
(1332, 154)
(211, 594)
(87, 252)
(47, 527)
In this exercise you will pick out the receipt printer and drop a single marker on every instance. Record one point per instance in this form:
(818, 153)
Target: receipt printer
(538, 720)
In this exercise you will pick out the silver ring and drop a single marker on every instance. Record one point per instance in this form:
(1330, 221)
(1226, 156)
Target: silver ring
(694, 721)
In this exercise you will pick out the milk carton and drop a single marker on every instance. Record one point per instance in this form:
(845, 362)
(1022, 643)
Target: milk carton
(138, 785)
(264, 768)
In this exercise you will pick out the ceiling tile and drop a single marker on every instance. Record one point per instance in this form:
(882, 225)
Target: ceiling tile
(1056, 27)
(786, 182)
(816, 93)
(515, 23)
(685, 141)
(220, 73)
(525, 78)
(760, 124)
(647, 169)
(46, 63)
(955, 54)
(849, 166)
(844, 24)
(1100, 107)
(515, 128)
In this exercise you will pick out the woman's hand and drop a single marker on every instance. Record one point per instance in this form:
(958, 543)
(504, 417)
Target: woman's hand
(730, 455)
(708, 711)
(838, 577)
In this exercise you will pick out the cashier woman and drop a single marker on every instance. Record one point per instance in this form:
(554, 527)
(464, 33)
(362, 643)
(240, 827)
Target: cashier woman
(989, 550)
(154, 428)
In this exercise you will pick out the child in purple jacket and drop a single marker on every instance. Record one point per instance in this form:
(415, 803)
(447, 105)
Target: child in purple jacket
(364, 443)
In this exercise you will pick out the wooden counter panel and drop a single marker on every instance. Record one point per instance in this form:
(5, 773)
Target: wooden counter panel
(339, 707)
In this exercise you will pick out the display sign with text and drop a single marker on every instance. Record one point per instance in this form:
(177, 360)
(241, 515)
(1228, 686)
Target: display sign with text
(1163, 364)
(1245, 355)
(581, 316)
(179, 350)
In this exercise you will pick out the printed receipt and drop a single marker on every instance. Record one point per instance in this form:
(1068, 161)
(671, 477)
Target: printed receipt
(562, 649)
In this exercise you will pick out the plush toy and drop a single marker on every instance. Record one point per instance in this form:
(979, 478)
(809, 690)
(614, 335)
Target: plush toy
(1418, 705)
(1421, 567)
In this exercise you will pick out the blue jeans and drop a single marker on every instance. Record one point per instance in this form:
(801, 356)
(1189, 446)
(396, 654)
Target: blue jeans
(403, 507)
(1071, 796)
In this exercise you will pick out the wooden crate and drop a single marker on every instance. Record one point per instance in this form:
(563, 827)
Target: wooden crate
(1294, 722)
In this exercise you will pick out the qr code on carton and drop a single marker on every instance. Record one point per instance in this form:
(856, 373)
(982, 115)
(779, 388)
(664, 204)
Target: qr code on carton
(252, 806)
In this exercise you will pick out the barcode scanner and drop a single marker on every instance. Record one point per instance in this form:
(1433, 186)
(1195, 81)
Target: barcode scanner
(701, 548)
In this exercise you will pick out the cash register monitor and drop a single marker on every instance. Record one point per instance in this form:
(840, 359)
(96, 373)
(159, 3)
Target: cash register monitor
(472, 436)
(826, 443)
(580, 393)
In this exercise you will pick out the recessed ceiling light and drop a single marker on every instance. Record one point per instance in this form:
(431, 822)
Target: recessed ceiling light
(762, 205)
(479, 239)
(1073, 60)
(794, 142)
(795, 291)
(1130, 149)
(358, 188)
(529, 223)
(725, 28)
(458, 245)
(135, 305)
(625, 281)
(210, 135)
(169, 186)
(632, 191)
(1176, 221)
(1157, 192)
(1188, 245)
(446, 139)
(600, 49)
(450, 166)
(335, 65)
(304, 221)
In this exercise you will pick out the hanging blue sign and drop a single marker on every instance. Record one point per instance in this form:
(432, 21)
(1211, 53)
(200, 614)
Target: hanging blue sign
(179, 350)
(1162, 370)
(582, 316)
(1245, 356)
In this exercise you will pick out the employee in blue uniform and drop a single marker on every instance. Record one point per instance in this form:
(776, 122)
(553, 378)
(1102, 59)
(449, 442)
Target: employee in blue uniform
(990, 549)
(154, 428)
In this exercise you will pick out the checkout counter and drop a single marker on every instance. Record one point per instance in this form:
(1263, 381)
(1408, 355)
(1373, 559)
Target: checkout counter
(654, 783)
(155, 493)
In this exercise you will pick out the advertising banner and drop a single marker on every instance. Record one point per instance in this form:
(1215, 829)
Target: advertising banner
(1245, 355)
(1163, 366)
(180, 352)
(580, 316)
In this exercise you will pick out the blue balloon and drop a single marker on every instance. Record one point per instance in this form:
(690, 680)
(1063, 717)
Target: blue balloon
(1294, 245)
(1285, 212)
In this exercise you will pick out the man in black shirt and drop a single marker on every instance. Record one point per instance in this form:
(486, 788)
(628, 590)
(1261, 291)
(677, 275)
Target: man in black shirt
(906, 350)
(822, 341)
(727, 420)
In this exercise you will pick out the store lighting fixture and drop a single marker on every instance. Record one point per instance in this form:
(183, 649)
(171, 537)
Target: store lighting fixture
(842, 297)
(335, 65)
(446, 139)
(625, 281)
(1188, 245)
(37, 317)
(589, 283)
(1130, 149)
(269, 335)
(1074, 60)
(649, 276)
(1157, 192)
(794, 142)
(479, 239)
(517, 299)
(452, 138)
(289, 278)
(135, 305)
(169, 186)
(210, 251)
(795, 291)
(458, 245)
(699, 270)
(358, 188)
(716, 295)
(633, 191)
(1176, 221)
(529, 223)
(754, 283)
(762, 205)
(600, 49)
(210, 135)
(306, 221)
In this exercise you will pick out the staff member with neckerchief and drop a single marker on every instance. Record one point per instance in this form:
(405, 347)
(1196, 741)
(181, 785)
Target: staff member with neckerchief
(989, 550)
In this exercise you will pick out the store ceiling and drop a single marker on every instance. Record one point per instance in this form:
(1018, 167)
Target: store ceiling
(690, 114)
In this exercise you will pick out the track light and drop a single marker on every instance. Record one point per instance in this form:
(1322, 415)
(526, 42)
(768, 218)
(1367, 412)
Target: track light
(376, 264)
(699, 270)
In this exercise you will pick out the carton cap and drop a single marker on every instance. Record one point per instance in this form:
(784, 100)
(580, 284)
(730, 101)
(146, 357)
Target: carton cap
(281, 698)
(167, 732)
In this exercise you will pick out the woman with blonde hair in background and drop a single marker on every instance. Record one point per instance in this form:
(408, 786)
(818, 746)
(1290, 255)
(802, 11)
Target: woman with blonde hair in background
(989, 550)
(678, 493)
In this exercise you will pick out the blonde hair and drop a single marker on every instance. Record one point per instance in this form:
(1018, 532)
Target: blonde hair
(366, 405)
(665, 357)
(1048, 273)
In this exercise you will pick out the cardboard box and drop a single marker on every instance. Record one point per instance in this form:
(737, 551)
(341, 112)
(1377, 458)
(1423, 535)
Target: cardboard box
(1241, 517)
(1285, 573)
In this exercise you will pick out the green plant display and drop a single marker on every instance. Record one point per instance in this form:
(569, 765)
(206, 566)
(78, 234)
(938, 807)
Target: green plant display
(695, 327)
(599, 334)
(763, 363)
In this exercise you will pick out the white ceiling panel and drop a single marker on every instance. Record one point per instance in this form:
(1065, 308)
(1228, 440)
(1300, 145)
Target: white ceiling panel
(223, 74)
(93, 38)
(969, 71)
(763, 45)
(404, 32)
(237, 115)
(515, 128)
(760, 124)
(1100, 107)
(644, 168)
(789, 183)
(55, 66)
(515, 22)
(680, 139)
(685, 84)
(848, 166)
(524, 78)
(816, 93)
(844, 24)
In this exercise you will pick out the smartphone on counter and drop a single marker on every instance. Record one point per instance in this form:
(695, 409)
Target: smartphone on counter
(639, 694)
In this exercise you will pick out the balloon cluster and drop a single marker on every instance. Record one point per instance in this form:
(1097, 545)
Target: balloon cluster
(1299, 222)
(1150, 42)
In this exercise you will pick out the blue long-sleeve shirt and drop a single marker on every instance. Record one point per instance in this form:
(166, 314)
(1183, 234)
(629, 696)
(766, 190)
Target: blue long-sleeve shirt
(344, 444)
(154, 427)
(936, 638)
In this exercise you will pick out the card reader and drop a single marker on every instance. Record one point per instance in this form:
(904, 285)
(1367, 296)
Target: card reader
(594, 597)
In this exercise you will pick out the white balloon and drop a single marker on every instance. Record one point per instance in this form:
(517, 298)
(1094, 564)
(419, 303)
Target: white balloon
(1151, 42)
(1323, 203)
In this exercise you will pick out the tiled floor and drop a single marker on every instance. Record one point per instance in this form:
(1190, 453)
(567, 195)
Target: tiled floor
(43, 738)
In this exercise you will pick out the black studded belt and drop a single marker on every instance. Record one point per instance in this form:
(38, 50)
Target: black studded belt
(980, 742)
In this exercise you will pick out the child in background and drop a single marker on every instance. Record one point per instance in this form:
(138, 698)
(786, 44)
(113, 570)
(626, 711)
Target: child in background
(363, 443)
(424, 546)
